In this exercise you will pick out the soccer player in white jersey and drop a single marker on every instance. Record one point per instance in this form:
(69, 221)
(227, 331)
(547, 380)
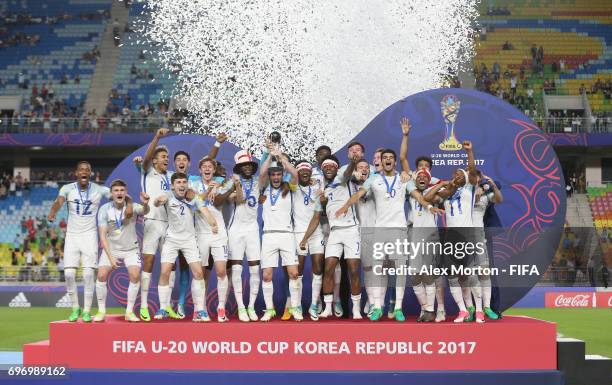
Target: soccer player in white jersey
(243, 232)
(389, 192)
(155, 181)
(424, 229)
(119, 244)
(343, 238)
(209, 243)
(305, 196)
(320, 154)
(81, 244)
(487, 193)
(458, 196)
(278, 240)
(181, 236)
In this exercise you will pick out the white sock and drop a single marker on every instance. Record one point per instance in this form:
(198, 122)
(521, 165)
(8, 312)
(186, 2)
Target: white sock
(268, 293)
(439, 282)
(337, 279)
(294, 290)
(237, 283)
(456, 292)
(197, 292)
(356, 299)
(222, 286)
(419, 292)
(299, 294)
(71, 287)
(328, 299)
(430, 294)
(477, 291)
(89, 281)
(164, 296)
(254, 280)
(229, 288)
(145, 282)
(131, 296)
(101, 296)
(485, 283)
(172, 280)
(317, 282)
(399, 296)
(467, 295)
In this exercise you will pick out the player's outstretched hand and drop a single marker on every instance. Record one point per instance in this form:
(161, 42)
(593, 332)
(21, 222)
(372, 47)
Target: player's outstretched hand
(161, 132)
(405, 123)
(113, 262)
(436, 211)
(404, 177)
(221, 137)
(302, 245)
(137, 160)
(51, 217)
(467, 145)
(144, 198)
(341, 211)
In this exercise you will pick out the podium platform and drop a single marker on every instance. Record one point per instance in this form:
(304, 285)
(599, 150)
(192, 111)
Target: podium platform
(510, 344)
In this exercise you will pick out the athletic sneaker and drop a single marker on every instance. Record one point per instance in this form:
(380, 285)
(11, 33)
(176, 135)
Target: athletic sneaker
(391, 310)
(201, 316)
(171, 313)
(74, 316)
(144, 314)
(399, 315)
(472, 311)
(286, 315)
(243, 315)
(480, 317)
(296, 312)
(221, 315)
(427, 316)
(252, 314)
(99, 317)
(440, 316)
(326, 313)
(376, 314)
(357, 314)
(370, 310)
(367, 307)
(314, 312)
(86, 317)
(131, 317)
(268, 315)
(490, 313)
(462, 317)
(319, 307)
(180, 310)
(338, 311)
(160, 315)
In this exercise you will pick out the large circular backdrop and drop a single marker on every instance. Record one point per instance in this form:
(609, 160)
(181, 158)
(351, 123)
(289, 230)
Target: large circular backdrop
(508, 147)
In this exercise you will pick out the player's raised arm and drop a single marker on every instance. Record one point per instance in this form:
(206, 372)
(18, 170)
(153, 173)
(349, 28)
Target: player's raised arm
(472, 175)
(351, 201)
(238, 192)
(214, 150)
(350, 168)
(416, 194)
(497, 194)
(289, 168)
(223, 192)
(59, 202)
(160, 200)
(263, 173)
(434, 193)
(144, 199)
(405, 124)
(146, 162)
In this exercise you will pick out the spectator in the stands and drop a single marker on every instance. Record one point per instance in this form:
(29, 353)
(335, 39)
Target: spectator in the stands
(507, 46)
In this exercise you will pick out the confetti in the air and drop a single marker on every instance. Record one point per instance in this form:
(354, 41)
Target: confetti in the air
(317, 71)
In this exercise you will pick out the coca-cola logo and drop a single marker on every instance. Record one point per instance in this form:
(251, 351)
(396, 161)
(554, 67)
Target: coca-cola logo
(578, 300)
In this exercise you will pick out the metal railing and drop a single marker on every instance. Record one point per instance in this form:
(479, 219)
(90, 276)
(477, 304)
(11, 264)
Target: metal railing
(36, 273)
(575, 125)
(122, 124)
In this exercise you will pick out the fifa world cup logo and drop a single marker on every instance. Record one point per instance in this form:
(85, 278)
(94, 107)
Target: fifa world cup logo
(449, 106)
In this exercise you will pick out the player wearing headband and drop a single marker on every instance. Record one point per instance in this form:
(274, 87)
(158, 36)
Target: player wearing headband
(343, 238)
(320, 154)
(278, 240)
(305, 197)
(243, 232)
(458, 196)
(119, 244)
(487, 193)
(181, 236)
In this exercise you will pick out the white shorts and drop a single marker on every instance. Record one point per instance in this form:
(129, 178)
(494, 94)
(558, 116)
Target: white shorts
(314, 245)
(154, 235)
(129, 258)
(243, 242)
(81, 249)
(343, 241)
(171, 248)
(275, 244)
(212, 244)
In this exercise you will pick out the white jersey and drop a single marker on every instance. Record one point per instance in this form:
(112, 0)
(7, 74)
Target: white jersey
(304, 201)
(459, 207)
(155, 184)
(317, 174)
(480, 207)
(181, 225)
(83, 205)
(120, 232)
(390, 195)
(245, 214)
(366, 207)
(277, 211)
(419, 215)
(337, 193)
(202, 226)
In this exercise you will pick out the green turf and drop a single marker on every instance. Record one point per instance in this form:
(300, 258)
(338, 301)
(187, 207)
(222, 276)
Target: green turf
(19, 326)
(589, 325)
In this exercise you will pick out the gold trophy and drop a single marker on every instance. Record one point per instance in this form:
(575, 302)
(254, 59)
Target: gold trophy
(449, 106)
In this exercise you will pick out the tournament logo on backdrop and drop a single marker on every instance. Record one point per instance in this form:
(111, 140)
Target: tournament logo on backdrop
(449, 106)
